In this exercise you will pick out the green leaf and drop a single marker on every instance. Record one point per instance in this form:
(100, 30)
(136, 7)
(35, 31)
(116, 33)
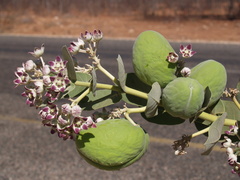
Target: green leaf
(238, 94)
(94, 81)
(153, 100)
(102, 99)
(163, 118)
(132, 81)
(214, 133)
(121, 73)
(70, 64)
(229, 107)
(221, 107)
(73, 90)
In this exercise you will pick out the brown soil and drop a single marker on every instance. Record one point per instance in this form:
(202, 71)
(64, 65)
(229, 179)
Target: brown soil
(121, 27)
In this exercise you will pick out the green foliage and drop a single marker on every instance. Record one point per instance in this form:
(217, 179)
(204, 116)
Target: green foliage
(70, 64)
(222, 106)
(153, 100)
(102, 98)
(121, 73)
(74, 90)
(214, 133)
(238, 94)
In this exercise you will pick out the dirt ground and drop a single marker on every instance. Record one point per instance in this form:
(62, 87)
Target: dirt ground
(121, 27)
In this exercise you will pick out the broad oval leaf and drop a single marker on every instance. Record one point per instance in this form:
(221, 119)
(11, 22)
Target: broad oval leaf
(238, 94)
(102, 98)
(121, 73)
(73, 90)
(214, 133)
(153, 100)
(222, 106)
(70, 64)
(94, 81)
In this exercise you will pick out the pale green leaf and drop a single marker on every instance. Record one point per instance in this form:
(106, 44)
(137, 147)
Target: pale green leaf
(74, 90)
(70, 64)
(153, 100)
(101, 99)
(94, 81)
(121, 73)
(238, 94)
(214, 133)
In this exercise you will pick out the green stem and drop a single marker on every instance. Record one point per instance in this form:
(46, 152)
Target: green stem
(114, 88)
(133, 110)
(104, 71)
(236, 101)
(136, 110)
(98, 85)
(130, 119)
(200, 132)
(212, 118)
(85, 93)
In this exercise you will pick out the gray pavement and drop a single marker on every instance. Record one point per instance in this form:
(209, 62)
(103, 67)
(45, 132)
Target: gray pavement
(29, 152)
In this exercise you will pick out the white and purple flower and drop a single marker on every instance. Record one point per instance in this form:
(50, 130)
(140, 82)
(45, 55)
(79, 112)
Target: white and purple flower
(57, 65)
(172, 57)
(38, 52)
(76, 46)
(97, 35)
(22, 77)
(187, 51)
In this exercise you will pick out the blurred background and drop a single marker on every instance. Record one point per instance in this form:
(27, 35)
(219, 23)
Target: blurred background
(177, 20)
(29, 152)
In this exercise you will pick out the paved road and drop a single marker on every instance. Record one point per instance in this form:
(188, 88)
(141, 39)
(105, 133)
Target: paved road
(28, 151)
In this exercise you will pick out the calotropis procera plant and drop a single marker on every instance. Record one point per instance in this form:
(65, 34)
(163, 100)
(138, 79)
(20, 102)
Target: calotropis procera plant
(163, 90)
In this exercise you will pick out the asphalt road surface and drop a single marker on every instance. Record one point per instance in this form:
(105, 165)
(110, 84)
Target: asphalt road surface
(29, 152)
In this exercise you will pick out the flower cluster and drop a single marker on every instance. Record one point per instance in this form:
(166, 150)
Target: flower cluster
(186, 52)
(91, 38)
(232, 149)
(45, 84)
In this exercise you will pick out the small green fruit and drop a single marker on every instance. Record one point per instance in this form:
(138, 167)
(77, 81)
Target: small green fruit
(150, 63)
(212, 74)
(183, 97)
(114, 144)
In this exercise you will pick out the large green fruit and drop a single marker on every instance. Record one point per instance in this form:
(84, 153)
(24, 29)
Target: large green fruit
(183, 97)
(212, 74)
(114, 144)
(150, 63)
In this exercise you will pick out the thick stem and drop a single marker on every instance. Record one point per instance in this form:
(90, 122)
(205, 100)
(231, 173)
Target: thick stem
(85, 93)
(200, 132)
(98, 85)
(236, 101)
(130, 119)
(212, 118)
(114, 88)
(108, 74)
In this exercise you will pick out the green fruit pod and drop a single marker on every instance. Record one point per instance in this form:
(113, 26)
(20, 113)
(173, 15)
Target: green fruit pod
(212, 74)
(183, 97)
(150, 63)
(113, 144)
